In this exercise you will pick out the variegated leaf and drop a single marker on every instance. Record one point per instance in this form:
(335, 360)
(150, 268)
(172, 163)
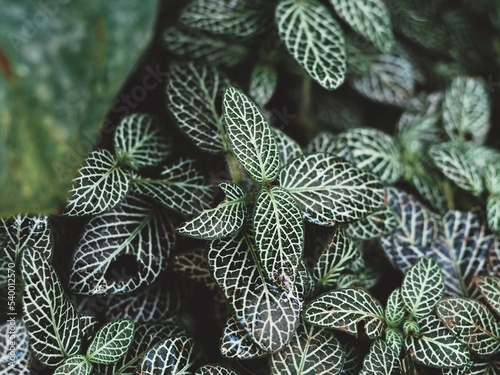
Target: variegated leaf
(75, 365)
(278, 227)
(51, 319)
(471, 323)
(111, 342)
(455, 165)
(194, 265)
(268, 312)
(159, 301)
(241, 19)
(235, 342)
(493, 212)
(329, 189)
(381, 360)
(462, 253)
(145, 336)
(422, 287)
(173, 356)
(390, 80)
(324, 142)
(134, 230)
(192, 94)
(395, 309)
(314, 39)
(25, 231)
(100, 186)
(139, 142)
(312, 351)
(14, 335)
(490, 289)
(373, 151)
(394, 339)
(222, 221)
(466, 110)
(369, 18)
(199, 46)
(344, 309)
(88, 325)
(374, 225)
(263, 82)
(430, 187)
(352, 361)
(338, 255)
(215, 369)
(435, 346)
(287, 147)
(492, 177)
(180, 188)
(493, 257)
(250, 137)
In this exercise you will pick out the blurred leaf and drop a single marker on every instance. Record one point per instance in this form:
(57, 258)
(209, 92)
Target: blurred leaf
(352, 361)
(23, 355)
(89, 325)
(134, 229)
(374, 225)
(493, 213)
(53, 100)
(192, 94)
(369, 18)
(471, 323)
(314, 39)
(380, 360)
(324, 142)
(215, 370)
(343, 309)
(287, 147)
(329, 189)
(222, 221)
(490, 289)
(194, 265)
(100, 186)
(263, 82)
(111, 342)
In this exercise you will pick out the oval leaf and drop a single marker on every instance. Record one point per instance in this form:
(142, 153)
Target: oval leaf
(263, 82)
(111, 342)
(343, 309)
(329, 189)
(250, 136)
(75, 365)
(395, 309)
(314, 39)
(490, 289)
(381, 360)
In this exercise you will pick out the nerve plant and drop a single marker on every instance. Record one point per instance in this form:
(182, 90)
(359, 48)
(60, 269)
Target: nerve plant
(287, 253)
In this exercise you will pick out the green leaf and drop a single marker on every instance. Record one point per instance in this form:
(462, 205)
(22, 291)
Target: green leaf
(373, 151)
(490, 289)
(111, 342)
(192, 94)
(338, 255)
(394, 339)
(287, 147)
(278, 227)
(241, 19)
(381, 360)
(63, 64)
(180, 188)
(25, 232)
(22, 363)
(50, 318)
(314, 39)
(250, 136)
(430, 187)
(395, 309)
(324, 142)
(174, 356)
(374, 225)
(100, 186)
(202, 47)
(422, 287)
(263, 82)
(352, 361)
(344, 309)
(435, 346)
(466, 110)
(471, 323)
(268, 312)
(139, 142)
(329, 189)
(370, 18)
(75, 365)
(222, 221)
(455, 165)
(194, 265)
(134, 229)
(493, 213)
(313, 350)
(236, 343)
(492, 178)
(215, 369)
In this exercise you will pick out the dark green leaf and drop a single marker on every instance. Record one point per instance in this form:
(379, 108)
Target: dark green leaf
(287, 147)
(395, 309)
(490, 289)
(352, 361)
(194, 265)
(374, 225)
(381, 360)
(235, 342)
(215, 370)
(394, 339)
(75, 365)
(263, 82)
(111, 342)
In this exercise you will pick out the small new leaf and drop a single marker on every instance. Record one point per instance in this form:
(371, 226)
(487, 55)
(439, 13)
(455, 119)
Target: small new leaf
(344, 309)
(395, 309)
(100, 186)
(222, 221)
(314, 39)
(250, 137)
